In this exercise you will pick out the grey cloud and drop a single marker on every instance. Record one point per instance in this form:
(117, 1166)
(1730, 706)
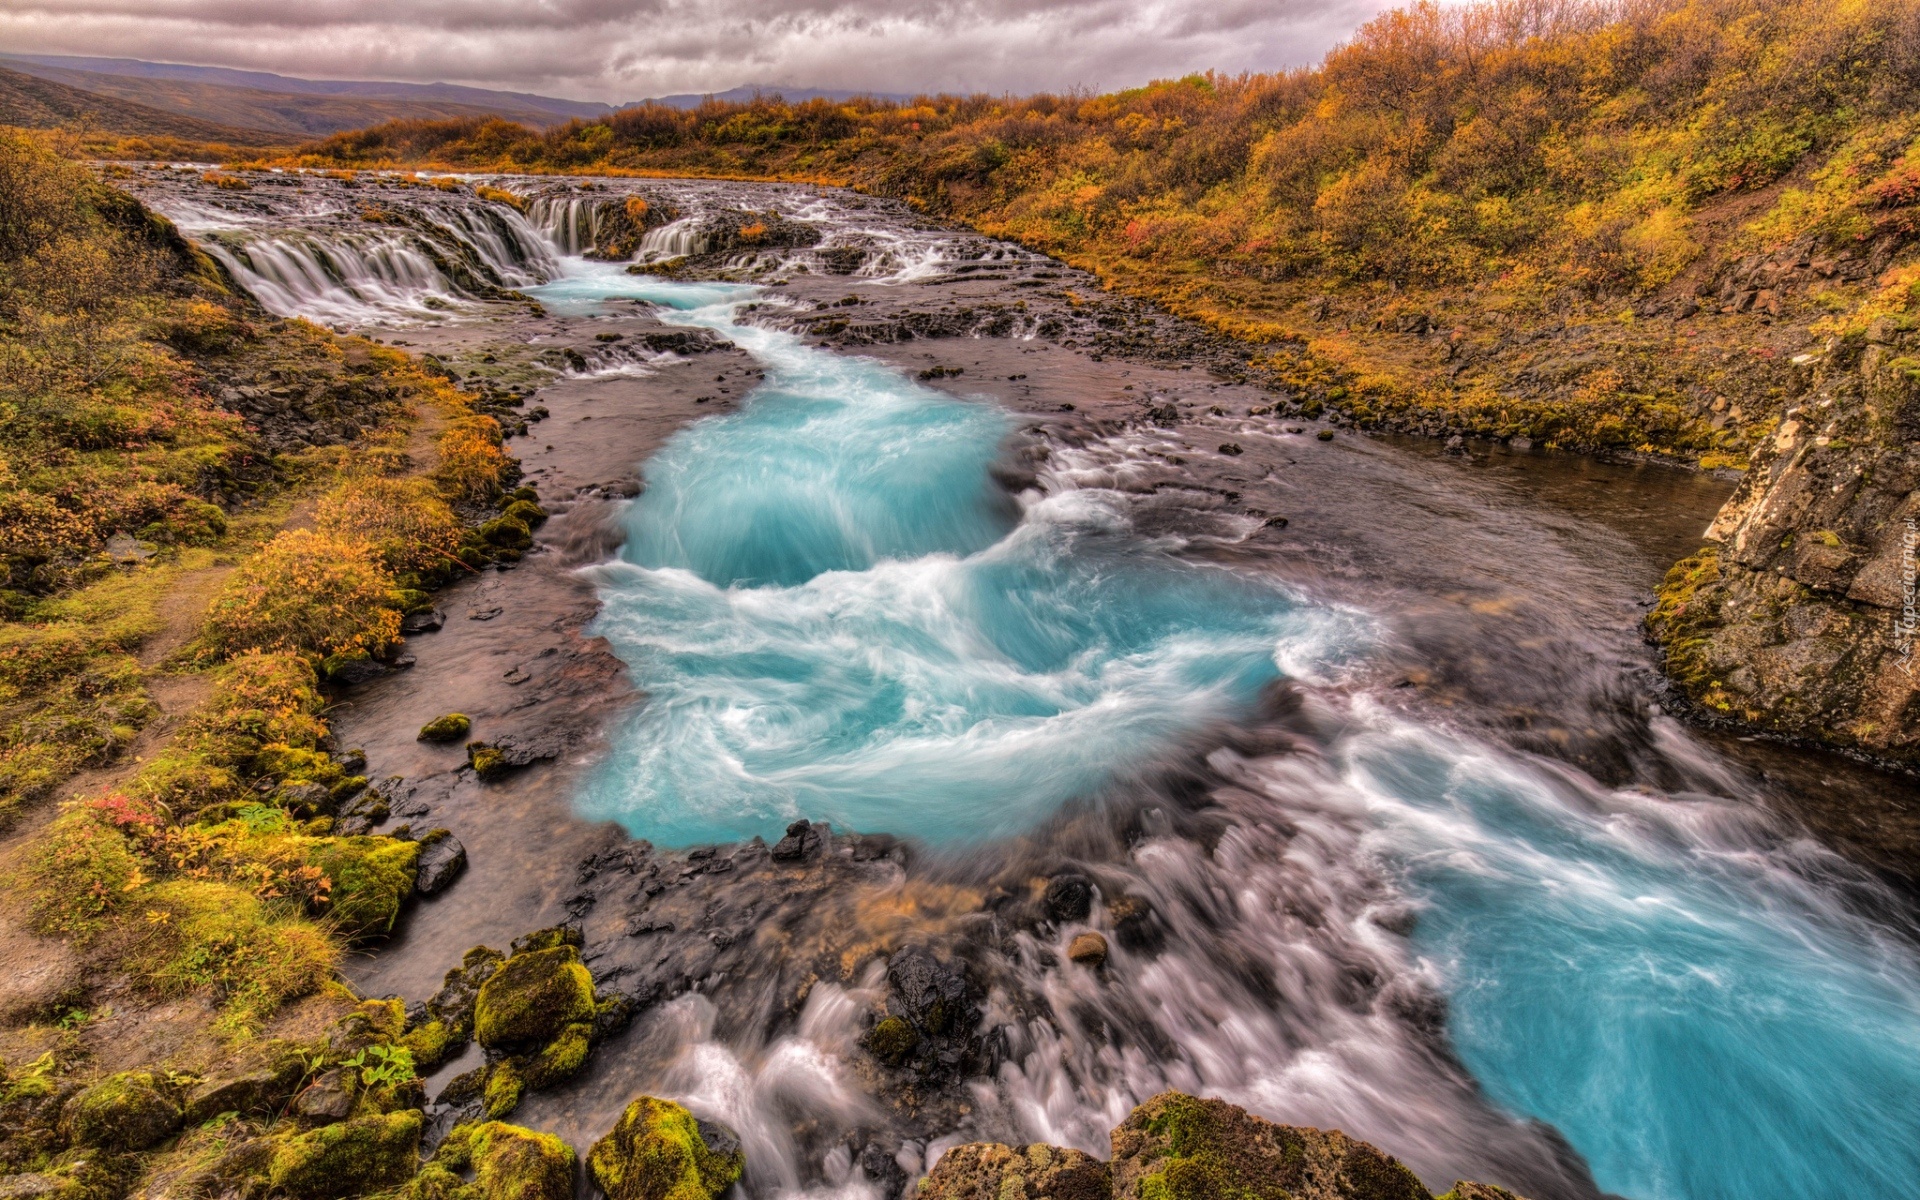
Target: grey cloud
(618, 50)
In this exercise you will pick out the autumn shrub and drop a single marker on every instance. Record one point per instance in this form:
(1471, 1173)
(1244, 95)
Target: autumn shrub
(305, 592)
(405, 523)
(473, 466)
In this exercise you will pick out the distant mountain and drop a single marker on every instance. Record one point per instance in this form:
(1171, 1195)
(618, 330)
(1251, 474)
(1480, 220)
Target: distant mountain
(754, 91)
(46, 104)
(283, 106)
(513, 105)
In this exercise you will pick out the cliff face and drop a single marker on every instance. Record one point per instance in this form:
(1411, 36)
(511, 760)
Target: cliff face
(1799, 616)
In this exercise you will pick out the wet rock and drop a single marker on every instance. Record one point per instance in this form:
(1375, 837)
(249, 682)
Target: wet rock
(1068, 898)
(1089, 950)
(351, 670)
(459, 993)
(1456, 445)
(532, 998)
(423, 622)
(125, 1112)
(932, 993)
(328, 1098)
(1179, 1147)
(802, 842)
(491, 760)
(350, 1158)
(450, 728)
(883, 1170)
(1325, 435)
(658, 1151)
(257, 1092)
(990, 1171)
(442, 859)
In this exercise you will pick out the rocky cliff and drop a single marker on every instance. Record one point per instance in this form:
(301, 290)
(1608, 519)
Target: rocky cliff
(1798, 617)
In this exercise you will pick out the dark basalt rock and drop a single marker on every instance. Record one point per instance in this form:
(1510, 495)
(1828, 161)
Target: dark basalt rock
(802, 842)
(423, 622)
(1068, 898)
(442, 859)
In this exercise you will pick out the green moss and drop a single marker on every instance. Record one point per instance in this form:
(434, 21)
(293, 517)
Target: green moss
(487, 761)
(362, 1155)
(532, 998)
(1684, 617)
(656, 1152)
(372, 877)
(561, 1058)
(509, 533)
(1205, 1157)
(511, 1163)
(892, 1039)
(430, 1043)
(125, 1112)
(450, 728)
(505, 1086)
(526, 512)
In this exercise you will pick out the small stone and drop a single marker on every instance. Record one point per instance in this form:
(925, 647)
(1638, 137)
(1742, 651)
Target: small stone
(328, 1098)
(1089, 950)
(1325, 435)
(1068, 898)
(423, 622)
(442, 859)
(450, 728)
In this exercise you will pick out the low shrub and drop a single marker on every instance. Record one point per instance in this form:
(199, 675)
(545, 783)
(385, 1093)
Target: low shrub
(404, 522)
(307, 593)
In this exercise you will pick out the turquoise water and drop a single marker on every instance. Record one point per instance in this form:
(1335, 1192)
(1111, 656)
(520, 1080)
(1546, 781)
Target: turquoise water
(836, 615)
(1648, 975)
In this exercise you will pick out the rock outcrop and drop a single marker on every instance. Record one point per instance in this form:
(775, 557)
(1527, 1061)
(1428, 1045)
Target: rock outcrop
(1179, 1147)
(1798, 618)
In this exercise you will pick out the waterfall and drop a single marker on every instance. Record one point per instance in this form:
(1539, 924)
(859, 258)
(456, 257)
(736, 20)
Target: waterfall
(675, 240)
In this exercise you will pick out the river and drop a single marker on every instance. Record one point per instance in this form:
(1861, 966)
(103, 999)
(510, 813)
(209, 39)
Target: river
(1366, 731)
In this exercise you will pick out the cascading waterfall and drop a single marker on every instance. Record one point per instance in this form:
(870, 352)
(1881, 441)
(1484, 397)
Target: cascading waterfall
(443, 254)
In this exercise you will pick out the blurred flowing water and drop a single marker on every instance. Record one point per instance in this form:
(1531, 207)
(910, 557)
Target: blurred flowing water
(838, 615)
(1485, 960)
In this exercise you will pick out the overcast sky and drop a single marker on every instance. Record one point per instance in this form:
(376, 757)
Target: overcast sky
(617, 50)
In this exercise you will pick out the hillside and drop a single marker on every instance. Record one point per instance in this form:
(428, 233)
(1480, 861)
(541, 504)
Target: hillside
(491, 100)
(1677, 228)
(32, 103)
(291, 113)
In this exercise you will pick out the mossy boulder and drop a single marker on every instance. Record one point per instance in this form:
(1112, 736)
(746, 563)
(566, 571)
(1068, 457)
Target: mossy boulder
(526, 512)
(123, 1113)
(371, 877)
(450, 728)
(658, 1151)
(508, 533)
(532, 998)
(353, 1157)
(509, 1162)
(990, 1171)
(488, 761)
(1180, 1147)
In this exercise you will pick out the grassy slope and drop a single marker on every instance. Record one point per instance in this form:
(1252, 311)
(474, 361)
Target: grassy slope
(151, 601)
(34, 103)
(1494, 220)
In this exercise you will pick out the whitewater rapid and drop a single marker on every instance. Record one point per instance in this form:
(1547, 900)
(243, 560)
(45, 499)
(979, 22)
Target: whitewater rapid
(1486, 962)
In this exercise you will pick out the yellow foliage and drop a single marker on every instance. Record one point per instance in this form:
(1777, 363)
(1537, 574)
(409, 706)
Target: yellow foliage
(404, 522)
(307, 593)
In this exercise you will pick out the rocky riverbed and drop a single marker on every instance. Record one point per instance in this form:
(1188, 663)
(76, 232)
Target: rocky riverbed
(1267, 909)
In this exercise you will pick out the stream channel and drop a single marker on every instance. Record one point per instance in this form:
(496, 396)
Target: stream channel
(1349, 748)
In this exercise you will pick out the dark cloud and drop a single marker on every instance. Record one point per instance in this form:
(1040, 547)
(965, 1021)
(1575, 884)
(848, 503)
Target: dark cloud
(623, 49)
